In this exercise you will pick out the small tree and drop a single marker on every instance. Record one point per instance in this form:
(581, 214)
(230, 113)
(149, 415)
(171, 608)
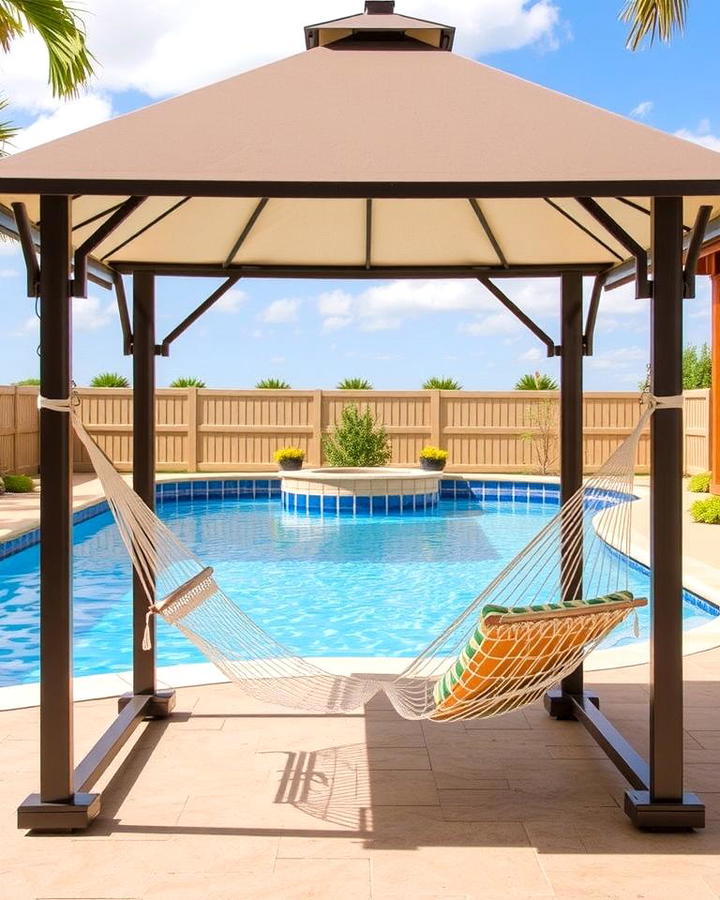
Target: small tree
(537, 381)
(357, 440)
(28, 382)
(354, 384)
(110, 379)
(187, 381)
(272, 384)
(441, 384)
(543, 419)
(697, 367)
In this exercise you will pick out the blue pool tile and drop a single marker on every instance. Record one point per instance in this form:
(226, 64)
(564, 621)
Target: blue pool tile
(346, 503)
(330, 504)
(313, 502)
(362, 504)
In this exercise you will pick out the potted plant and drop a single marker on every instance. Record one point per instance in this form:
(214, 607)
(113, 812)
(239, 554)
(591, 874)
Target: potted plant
(433, 459)
(289, 458)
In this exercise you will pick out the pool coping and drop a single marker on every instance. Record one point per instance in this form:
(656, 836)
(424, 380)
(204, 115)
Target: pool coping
(93, 687)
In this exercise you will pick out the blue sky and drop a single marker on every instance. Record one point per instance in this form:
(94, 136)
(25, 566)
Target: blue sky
(314, 333)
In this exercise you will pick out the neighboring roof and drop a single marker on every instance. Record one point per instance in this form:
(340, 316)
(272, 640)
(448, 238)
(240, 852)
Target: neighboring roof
(442, 145)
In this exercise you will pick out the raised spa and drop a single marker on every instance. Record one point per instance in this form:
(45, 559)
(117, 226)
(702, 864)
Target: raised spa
(376, 491)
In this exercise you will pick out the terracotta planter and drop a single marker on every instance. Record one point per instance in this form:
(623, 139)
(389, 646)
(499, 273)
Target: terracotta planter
(290, 465)
(432, 465)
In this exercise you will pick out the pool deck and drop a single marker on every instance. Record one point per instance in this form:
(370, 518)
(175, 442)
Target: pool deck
(232, 799)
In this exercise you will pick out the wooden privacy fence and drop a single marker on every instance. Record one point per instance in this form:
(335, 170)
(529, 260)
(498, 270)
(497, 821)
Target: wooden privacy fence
(697, 431)
(19, 430)
(200, 430)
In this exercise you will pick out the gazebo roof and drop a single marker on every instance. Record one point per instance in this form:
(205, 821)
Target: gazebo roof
(375, 149)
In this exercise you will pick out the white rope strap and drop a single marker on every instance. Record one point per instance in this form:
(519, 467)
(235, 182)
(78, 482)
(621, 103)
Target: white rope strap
(674, 402)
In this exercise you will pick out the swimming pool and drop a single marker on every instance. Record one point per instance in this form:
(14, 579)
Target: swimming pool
(324, 586)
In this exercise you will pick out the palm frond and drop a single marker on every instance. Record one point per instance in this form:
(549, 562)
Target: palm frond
(7, 130)
(62, 32)
(653, 19)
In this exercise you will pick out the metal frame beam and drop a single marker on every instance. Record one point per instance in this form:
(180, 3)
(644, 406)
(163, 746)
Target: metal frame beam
(216, 270)
(489, 233)
(164, 347)
(643, 287)
(98, 272)
(552, 348)
(29, 250)
(697, 236)
(589, 335)
(242, 237)
(79, 281)
(123, 313)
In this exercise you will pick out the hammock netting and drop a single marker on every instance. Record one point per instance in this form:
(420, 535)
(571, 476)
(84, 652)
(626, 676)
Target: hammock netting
(525, 631)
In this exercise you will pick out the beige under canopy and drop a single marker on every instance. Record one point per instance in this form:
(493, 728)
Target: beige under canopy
(376, 148)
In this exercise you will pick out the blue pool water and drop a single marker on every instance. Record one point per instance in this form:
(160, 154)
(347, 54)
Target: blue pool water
(365, 586)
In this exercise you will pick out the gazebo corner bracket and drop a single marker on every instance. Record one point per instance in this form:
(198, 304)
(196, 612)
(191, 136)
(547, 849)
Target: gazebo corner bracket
(697, 235)
(489, 233)
(247, 228)
(29, 250)
(552, 348)
(643, 285)
(163, 348)
(123, 313)
(589, 332)
(78, 284)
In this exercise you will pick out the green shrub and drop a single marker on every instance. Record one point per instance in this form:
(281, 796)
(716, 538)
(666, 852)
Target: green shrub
(707, 511)
(288, 453)
(28, 382)
(2, 486)
(272, 384)
(110, 379)
(354, 384)
(697, 367)
(434, 453)
(441, 384)
(357, 440)
(700, 483)
(187, 381)
(537, 381)
(18, 484)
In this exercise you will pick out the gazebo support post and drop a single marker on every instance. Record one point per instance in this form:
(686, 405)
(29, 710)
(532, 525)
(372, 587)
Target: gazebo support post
(665, 804)
(559, 702)
(144, 485)
(58, 806)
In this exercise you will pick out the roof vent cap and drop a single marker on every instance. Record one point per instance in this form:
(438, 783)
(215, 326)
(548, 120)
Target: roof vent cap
(380, 7)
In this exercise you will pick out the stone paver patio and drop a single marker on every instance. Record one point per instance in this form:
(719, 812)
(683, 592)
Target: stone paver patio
(232, 799)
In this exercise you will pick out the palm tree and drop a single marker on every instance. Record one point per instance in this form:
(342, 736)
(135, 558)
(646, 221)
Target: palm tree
(653, 18)
(62, 32)
(354, 384)
(187, 381)
(537, 381)
(441, 384)
(272, 384)
(110, 379)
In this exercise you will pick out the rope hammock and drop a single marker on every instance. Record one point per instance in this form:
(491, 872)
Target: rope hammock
(529, 628)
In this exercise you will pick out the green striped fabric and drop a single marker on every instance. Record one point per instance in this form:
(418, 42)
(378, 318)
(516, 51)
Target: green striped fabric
(446, 684)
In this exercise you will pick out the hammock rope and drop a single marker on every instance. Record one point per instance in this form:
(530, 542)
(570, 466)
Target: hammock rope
(532, 625)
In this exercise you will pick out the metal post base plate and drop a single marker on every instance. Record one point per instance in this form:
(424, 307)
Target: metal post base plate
(560, 706)
(36, 815)
(160, 707)
(662, 816)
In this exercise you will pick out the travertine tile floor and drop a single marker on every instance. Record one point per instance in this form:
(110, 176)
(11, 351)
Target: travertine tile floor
(230, 799)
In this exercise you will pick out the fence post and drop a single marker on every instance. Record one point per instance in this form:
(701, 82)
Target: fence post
(435, 404)
(192, 426)
(15, 430)
(316, 422)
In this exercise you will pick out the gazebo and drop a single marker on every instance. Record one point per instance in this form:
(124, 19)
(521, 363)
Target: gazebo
(375, 153)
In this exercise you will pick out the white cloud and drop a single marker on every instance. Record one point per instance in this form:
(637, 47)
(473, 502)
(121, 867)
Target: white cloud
(334, 303)
(231, 301)
(74, 115)
(333, 323)
(8, 273)
(280, 312)
(619, 358)
(9, 247)
(147, 46)
(497, 323)
(89, 314)
(701, 135)
(531, 355)
(642, 110)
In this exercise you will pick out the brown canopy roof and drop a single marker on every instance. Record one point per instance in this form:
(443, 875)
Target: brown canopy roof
(386, 117)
